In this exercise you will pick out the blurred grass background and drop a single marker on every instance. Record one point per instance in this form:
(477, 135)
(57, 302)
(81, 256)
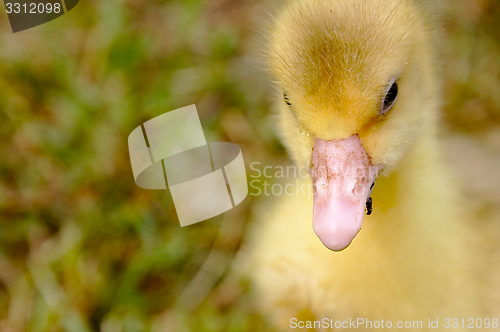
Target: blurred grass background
(82, 248)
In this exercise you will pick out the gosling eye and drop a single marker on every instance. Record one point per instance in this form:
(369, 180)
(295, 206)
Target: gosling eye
(390, 98)
(287, 101)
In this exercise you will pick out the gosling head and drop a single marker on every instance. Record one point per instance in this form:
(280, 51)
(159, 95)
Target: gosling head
(357, 88)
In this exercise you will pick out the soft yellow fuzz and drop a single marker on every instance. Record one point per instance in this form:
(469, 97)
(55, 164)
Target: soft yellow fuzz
(414, 259)
(334, 58)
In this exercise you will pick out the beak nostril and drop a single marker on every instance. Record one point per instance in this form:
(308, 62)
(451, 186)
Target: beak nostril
(351, 186)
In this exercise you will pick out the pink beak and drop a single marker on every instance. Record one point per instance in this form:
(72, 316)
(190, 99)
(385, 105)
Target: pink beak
(342, 177)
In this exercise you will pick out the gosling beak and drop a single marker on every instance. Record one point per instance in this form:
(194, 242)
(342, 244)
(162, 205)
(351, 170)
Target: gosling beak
(343, 177)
